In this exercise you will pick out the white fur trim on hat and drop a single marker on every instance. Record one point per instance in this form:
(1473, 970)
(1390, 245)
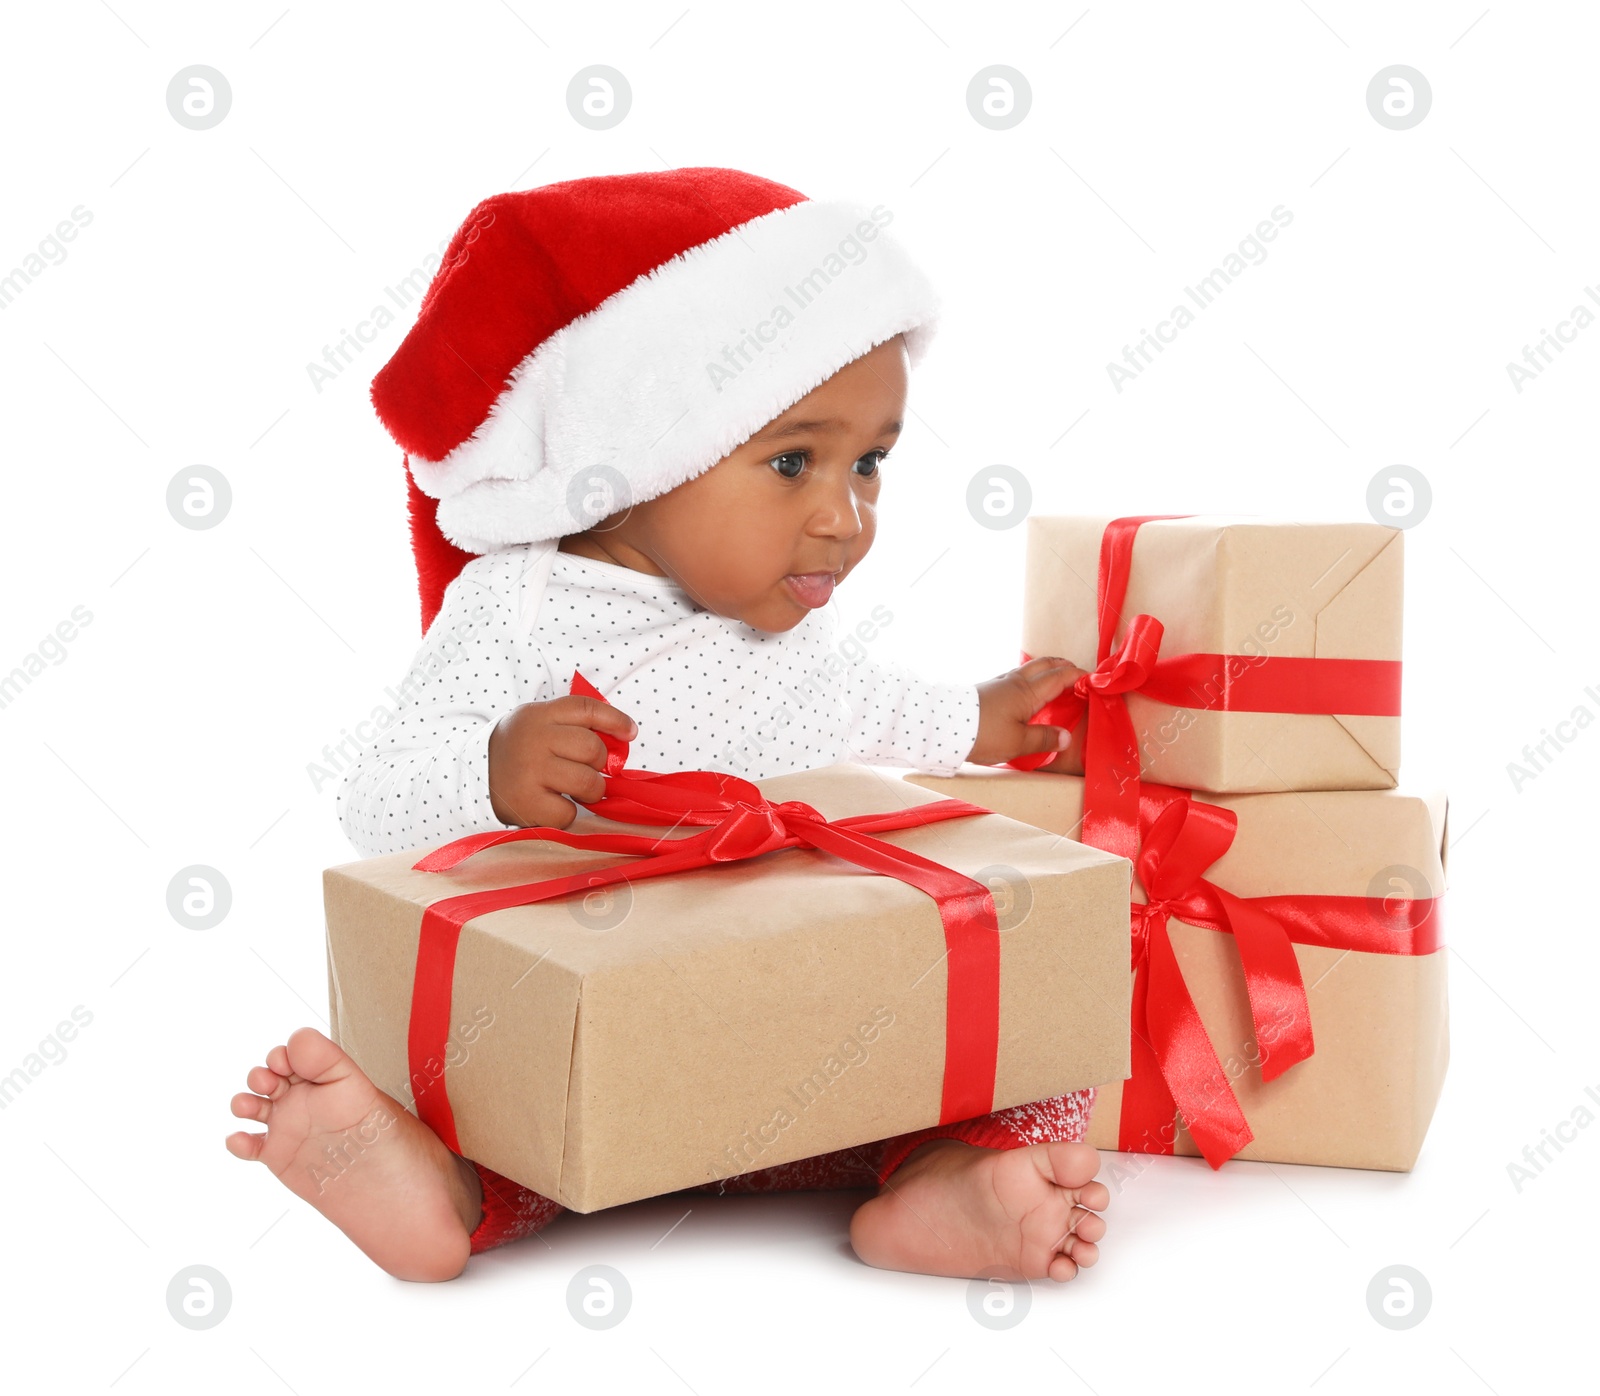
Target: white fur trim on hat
(676, 370)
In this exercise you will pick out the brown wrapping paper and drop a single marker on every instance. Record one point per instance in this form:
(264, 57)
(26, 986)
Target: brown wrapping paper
(679, 1029)
(1251, 588)
(1365, 1097)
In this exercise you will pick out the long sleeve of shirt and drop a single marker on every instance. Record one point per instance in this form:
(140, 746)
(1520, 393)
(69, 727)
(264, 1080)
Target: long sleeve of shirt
(898, 719)
(707, 692)
(425, 779)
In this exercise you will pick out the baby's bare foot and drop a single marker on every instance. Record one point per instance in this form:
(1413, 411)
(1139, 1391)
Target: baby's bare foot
(955, 1209)
(360, 1158)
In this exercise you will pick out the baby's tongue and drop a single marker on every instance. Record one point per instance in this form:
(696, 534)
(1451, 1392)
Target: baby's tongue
(812, 590)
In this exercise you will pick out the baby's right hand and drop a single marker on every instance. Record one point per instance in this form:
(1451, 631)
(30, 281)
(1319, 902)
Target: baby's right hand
(540, 752)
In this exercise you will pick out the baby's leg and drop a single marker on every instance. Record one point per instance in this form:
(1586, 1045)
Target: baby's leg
(510, 1211)
(1008, 1194)
(361, 1159)
(1062, 1118)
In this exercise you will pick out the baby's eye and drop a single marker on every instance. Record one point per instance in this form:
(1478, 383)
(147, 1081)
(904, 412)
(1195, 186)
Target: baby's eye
(876, 458)
(800, 456)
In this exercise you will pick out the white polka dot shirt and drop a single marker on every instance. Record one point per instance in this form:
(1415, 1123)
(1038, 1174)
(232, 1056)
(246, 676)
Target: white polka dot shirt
(708, 693)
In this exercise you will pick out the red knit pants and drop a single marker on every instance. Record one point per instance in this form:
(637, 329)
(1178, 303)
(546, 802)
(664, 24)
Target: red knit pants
(511, 1211)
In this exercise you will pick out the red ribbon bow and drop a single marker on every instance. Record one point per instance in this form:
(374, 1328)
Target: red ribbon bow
(1174, 1061)
(743, 823)
(1111, 797)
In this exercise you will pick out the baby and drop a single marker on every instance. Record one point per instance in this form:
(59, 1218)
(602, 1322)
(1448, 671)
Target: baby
(702, 608)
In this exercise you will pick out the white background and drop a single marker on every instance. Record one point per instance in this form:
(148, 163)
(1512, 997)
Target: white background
(179, 726)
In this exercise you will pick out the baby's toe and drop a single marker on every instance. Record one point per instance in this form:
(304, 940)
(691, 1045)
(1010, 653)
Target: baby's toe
(265, 1081)
(314, 1056)
(1084, 1253)
(1088, 1226)
(250, 1107)
(242, 1144)
(1062, 1267)
(278, 1060)
(1073, 1164)
(1094, 1195)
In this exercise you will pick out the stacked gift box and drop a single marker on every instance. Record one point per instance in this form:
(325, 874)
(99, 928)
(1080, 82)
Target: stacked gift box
(1237, 737)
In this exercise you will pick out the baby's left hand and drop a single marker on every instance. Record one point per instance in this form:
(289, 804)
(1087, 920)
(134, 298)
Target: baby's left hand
(1007, 702)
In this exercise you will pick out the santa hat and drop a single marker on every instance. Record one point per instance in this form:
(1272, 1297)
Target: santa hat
(608, 339)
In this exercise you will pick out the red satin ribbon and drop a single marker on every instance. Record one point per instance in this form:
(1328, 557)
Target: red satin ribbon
(1180, 843)
(743, 824)
(1174, 1065)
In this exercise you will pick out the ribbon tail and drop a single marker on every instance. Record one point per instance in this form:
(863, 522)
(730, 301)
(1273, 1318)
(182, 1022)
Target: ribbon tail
(1148, 1121)
(447, 856)
(1189, 1063)
(1111, 779)
(1275, 986)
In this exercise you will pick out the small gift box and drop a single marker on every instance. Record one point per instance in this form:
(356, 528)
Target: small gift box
(1288, 968)
(788, 967)
(1226, 654)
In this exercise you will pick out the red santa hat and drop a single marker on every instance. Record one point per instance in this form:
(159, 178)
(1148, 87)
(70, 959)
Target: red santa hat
(624, 330)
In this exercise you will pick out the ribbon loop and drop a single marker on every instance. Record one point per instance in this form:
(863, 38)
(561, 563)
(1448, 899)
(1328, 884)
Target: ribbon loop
(1181, 842)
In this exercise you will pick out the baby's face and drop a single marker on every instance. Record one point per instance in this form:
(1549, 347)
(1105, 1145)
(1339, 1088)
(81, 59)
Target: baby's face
(766, 533)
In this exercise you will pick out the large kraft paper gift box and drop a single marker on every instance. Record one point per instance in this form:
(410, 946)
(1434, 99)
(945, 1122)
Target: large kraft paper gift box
(1334, 869)
(1274, 663)
(668, 1030)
